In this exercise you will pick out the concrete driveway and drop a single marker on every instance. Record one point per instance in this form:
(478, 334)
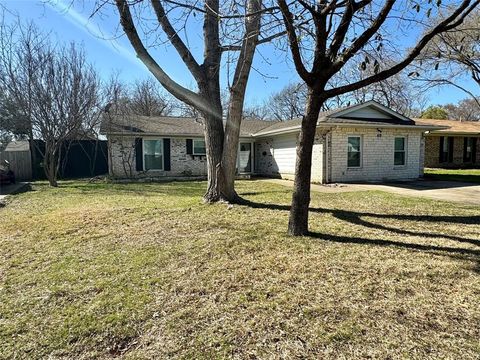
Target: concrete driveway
(467, 193)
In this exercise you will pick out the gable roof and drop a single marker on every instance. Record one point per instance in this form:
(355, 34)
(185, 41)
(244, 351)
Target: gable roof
(169, 125)
(367, 114)
(454, 126)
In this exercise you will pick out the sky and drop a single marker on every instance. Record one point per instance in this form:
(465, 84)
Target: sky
(110, 51)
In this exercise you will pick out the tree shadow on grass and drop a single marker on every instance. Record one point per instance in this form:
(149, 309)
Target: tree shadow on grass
(356, 218)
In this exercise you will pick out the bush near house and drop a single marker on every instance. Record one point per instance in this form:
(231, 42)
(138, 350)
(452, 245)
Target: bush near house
(147, 271)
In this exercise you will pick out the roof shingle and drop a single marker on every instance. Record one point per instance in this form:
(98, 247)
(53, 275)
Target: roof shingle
(169, 125)
(460, 127)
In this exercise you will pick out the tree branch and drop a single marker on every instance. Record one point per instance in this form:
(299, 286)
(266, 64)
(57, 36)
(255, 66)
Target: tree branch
(294, 45)
(180, 92)
(177, 42)
(364, 37)
(455, 18)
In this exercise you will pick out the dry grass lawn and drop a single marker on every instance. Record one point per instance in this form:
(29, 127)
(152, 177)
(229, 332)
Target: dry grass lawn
(142, 271)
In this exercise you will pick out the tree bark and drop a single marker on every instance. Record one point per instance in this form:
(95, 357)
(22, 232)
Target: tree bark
(51, 164)
(214, 134)
(237, 97)
(298, 220)
(230, 149)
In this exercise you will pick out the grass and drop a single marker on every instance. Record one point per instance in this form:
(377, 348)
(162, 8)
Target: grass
(142, 271)
(465, 175)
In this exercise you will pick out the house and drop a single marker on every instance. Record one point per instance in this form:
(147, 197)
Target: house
(365, 142)
(455, 147)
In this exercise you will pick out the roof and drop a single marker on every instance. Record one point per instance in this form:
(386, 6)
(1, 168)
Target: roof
(455, 126)
(20, 145)
(367, 114)
(169, 125)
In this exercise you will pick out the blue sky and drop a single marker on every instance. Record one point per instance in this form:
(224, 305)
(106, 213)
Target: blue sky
(116, 55)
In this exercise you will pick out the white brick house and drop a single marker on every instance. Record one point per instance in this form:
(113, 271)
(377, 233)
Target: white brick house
(365, 142)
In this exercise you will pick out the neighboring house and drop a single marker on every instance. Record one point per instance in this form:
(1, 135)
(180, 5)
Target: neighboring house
(365, 142)
(455, 147)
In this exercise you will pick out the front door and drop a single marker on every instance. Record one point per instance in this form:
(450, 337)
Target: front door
(245, 158)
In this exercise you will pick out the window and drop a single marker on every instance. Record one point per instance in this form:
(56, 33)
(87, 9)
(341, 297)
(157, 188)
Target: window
(354, 151)
(399, 157)
(445, 149)
(199, 147)
(153, 154)
(468, 148)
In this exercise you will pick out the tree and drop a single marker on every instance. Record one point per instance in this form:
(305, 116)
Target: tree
(466, 110)
(52, 87)
(12, 121)
(142, 97)
(147, 99)
(288, 103)
(242, 31)
(338, 33)
(435, 112)
(397, 93)
(257, 111)
(455, 52)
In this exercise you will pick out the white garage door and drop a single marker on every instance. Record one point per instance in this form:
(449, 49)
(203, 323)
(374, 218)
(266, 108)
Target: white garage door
(284, 152)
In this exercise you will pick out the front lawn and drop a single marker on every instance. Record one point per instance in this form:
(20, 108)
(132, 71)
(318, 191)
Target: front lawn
(465, 175)
(146, 271)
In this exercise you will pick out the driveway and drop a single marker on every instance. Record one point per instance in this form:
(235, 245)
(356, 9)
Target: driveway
(467, 193)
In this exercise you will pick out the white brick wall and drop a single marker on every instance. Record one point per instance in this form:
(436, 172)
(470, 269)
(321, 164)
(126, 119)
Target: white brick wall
(122, 157)
(318, 158)
(264, 161)
(377, 155)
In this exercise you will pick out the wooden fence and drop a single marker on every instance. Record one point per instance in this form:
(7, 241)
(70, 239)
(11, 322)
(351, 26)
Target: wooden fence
(20, 163)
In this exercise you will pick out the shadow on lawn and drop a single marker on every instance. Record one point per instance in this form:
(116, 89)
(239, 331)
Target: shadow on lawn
(356, 218)
(465, 178)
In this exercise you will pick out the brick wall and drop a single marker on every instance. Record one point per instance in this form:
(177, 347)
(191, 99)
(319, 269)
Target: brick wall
(122, 159)
(377, 155)
(264, 162)
(432, 153)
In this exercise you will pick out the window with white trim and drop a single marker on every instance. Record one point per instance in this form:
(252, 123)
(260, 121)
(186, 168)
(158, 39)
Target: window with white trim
(199, 147)
(400, 145)
(153, 154)
(354, 153)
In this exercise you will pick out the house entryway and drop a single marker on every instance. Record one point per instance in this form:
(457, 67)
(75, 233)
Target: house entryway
(245, 158)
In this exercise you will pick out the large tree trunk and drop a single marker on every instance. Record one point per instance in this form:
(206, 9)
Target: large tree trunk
(237, 97)
(230, 147)
(214, 136)
(298, 221)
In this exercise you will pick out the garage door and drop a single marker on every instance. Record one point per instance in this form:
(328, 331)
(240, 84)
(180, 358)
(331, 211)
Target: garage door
(284, 153)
